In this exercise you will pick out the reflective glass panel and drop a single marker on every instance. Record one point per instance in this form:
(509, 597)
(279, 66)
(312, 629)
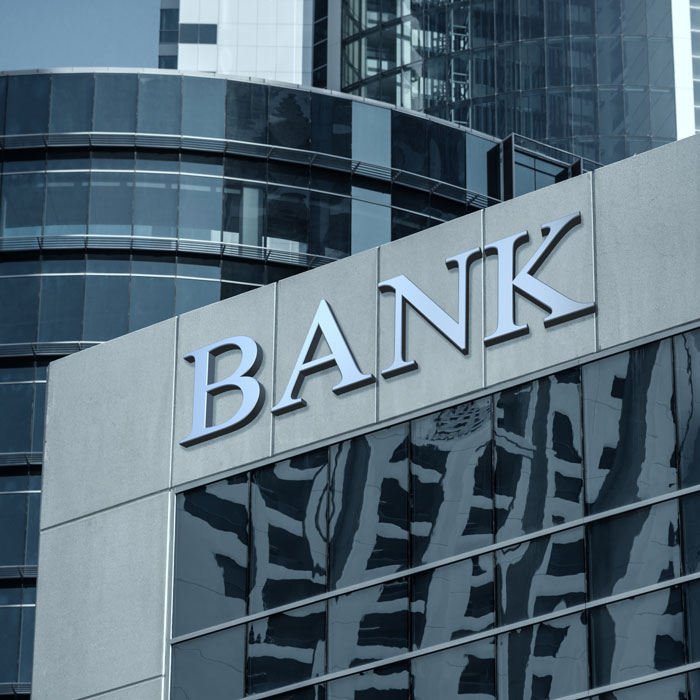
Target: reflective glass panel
(3, 99)
(369, 506)
(408, 143)
(686, 349)
(286, 648)
(542, 575)
(22, 205)
(27, 104)
(211, 555)
(152, 299)
(288, 516)
(246, 111)
(370, 222)
(9, 643)
(31, 554)
(287, 219)
(673, 688)
(13, 518)
(159, 104)
(467, 671)
(111, 197)
(538, 479)
(209, 667)
(451, 482)
(549, 660)
(653, 621)
(18, 321)
(290, 118)
(244, 213)
(368, 625)
(61, 308)
(71, 102)
(633, 550)
(452, 601)
(330, 225)
(66, 204)
(193, 294)
(115, 102)
(203, 107)
(331, 119)
(16, 403)
(155, 205)
(200, 208)
(385, 683)
(26, 651)
(106, 307)
(629, 427)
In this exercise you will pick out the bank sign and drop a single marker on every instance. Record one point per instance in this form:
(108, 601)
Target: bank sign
(325, 326)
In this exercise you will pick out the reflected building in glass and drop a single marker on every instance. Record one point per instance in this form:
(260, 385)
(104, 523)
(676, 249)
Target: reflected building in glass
(129, 197)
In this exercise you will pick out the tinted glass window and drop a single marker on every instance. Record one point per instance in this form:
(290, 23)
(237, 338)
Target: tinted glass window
(111, 203)
(193, 294)
(27, 104)
(115, 102)
(66, 204)
(244, 213)
(71, 102)
(408, 143)
(152, 299)
(330, 225)
(3, 99)
(331, 120)
(385, 683)
(289, 117)
(371, 223)
(203, 107)
(61, 308)
(22, 205)
(159, 104)
(9, 644)
(287, 219)
(288, 516)
(18, 321)
(106, 307)
(246, 112)
(16, 402)
(200, 208)
(447, 152)
(13, 518)
(155, 205)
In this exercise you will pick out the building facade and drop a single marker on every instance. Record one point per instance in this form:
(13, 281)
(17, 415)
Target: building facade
(462, 464)
(129, 197)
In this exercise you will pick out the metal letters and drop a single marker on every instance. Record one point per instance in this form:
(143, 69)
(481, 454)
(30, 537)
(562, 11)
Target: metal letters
(406, 293)
(205, 388)
(324, 325)
(560, 307)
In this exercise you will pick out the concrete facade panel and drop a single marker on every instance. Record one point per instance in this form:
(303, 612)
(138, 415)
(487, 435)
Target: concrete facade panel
(126, 388)
(648, 257)
(102, 592)
(251, 315)
(443, 371)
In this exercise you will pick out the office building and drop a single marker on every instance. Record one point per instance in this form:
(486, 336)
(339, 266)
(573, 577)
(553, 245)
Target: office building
(129, 197)
(462, 464)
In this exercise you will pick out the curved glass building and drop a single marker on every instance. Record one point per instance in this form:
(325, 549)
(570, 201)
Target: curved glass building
(129, 197)
(602, 78)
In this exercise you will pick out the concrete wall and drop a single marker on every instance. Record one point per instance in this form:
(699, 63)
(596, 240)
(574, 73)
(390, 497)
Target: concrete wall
(116, 413)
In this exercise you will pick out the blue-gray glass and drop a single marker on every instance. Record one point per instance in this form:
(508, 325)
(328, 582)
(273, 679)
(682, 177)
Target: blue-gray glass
(38, 419)
(210, 667)
(633, 550)
(153, 264)
(202, 164)
(71, 102)
(22, 205)
(408, 143)
(211, 555)
(155, 205)
(538, 463)
(660, 61)
(106, 307)
(3, 102)
(203, 107)
(111, 204)
(282, 173)
(692, 620)
(13, 519)
(9, 644)
(151, 159)
(289, 118)
(384, 683)
(193, 294)
(405, 223)
(18, 321)
(673, 688)
(243, 213)
(67, 159)
(478, 150)
(548, 660)
(690, 519)
(246, 111)
(112, 160)
(686, 355)
(629, 427)
(467, 671)
(10, 592)
(368, 507)
(61, 308)
(200, 208)
(447, 154)
(242, 271)
(540, 576)
(198, 266)
(452, 601)
(655, 623)
(368, 625)
(66, 204)
(151, 300)
(159, 104)
(288, 531)
(286, 648)
(287, 219)
(331, 125)
(662, 113)
(16, 402)
(115, 102)
(27, 104)
(26, 649)
(451, 482)
(329, 227)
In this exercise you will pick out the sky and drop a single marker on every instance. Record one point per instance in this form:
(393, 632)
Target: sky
(81, 33)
